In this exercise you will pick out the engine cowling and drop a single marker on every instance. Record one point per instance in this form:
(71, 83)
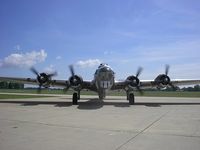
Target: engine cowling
(133, 81)
(44, 79)
(162, 80)
(75, 81)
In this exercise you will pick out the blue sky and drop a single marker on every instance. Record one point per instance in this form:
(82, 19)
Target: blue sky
(52, 34)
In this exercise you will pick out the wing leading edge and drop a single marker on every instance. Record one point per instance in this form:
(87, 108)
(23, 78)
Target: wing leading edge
(55, 83)
(144, 84)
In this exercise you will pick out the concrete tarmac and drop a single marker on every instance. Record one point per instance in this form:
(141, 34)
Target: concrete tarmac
(55, 124)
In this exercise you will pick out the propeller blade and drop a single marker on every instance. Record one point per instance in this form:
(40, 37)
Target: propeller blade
(65, 90)
(39, 89)
(173, 87)
(166, 69)
(139, 90)
(71, 68)
(139, 71)
(34, 71)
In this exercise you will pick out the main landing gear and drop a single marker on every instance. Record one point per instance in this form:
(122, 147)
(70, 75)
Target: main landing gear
(131, 98)
(75, 98)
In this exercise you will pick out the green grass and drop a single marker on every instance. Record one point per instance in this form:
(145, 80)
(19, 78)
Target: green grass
(110, 93)
(32, 91)
(170, 94)
(160, 94)
(13, 96)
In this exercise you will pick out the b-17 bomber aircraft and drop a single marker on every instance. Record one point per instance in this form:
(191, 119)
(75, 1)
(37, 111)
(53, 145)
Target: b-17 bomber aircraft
(104, 80)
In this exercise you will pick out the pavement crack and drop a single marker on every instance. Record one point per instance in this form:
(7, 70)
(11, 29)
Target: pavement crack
(67, 126)
(179, 135)
(119, 147)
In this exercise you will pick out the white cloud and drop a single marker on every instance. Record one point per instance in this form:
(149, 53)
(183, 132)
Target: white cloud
(58, 57)
(88, 63)
(24, 59)
(49, 69)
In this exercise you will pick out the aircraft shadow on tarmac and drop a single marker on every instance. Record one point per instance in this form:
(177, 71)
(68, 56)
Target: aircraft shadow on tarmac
(95, 103)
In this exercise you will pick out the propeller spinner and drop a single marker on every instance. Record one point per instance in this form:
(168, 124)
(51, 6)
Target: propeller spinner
(164, 79)
(134, 81)
(74, 80)
(42, 78)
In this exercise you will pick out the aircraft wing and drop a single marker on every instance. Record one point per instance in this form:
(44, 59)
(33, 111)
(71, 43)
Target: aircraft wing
(176, 82)
(144, 84)
(60, 83)
(185, 82)
(19, 80)
(56, 83)
(89, 85)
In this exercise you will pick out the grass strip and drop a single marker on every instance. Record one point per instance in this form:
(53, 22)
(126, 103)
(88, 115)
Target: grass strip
(12, 96)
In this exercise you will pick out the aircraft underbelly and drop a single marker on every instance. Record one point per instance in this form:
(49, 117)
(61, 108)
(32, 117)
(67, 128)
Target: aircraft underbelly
(105, 84)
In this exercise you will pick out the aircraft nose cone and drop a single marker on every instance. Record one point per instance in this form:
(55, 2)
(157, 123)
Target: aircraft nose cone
(104, 69)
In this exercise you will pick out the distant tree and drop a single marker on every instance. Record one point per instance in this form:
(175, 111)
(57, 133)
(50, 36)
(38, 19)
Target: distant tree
(190, 89)
(3, 85)
(11, 85)
(196, 88)
(175, 88)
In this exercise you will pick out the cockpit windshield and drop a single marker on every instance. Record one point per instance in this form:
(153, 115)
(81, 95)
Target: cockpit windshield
(104, 70)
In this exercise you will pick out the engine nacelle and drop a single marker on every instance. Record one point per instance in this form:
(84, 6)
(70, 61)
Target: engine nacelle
(162, 81)
(132, 81)
(44, 80)
(75, 81)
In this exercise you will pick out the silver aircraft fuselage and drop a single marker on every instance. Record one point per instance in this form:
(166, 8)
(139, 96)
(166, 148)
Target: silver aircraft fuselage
(104, 79)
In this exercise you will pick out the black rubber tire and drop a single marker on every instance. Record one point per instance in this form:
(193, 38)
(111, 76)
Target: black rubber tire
(131, 99)
(78, 95)
(75, 99)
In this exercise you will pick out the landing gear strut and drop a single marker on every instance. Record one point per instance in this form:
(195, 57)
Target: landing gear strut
(79, 95)
(131, 99)
(75, 99)
(102, 95)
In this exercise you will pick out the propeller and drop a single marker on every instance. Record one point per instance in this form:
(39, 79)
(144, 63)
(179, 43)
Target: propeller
(134, 80)
(42, 78)
(165, 79)
(67, 87)
(139, 71)
(52, 74)
(34, 71)
(74, 80)
(71, 68)
(166, 70)
(166, 73)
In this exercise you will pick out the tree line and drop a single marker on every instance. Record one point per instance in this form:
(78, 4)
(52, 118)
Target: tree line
(195, 88)
(176, 88)
(11, 85)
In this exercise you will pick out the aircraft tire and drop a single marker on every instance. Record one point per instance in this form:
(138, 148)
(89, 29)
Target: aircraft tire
(78, 95)
(75, 99)
(131, 99)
